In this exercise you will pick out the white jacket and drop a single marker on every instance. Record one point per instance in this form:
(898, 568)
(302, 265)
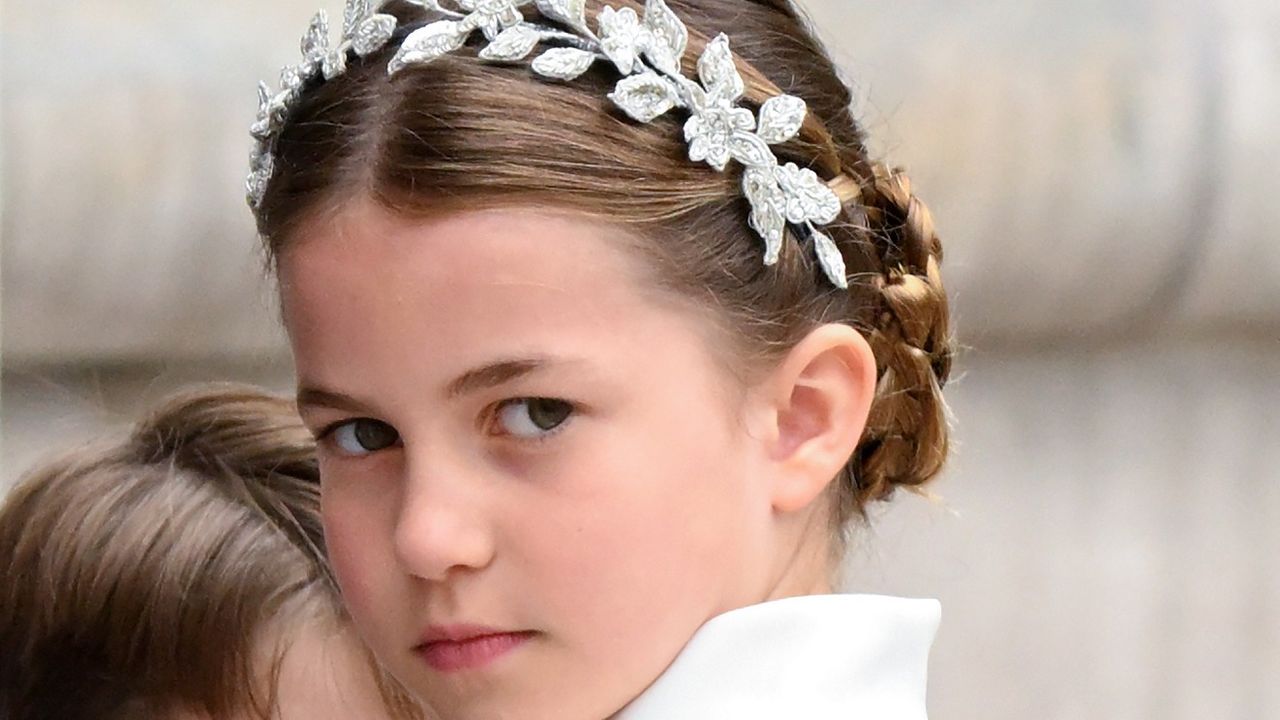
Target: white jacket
(854, 657)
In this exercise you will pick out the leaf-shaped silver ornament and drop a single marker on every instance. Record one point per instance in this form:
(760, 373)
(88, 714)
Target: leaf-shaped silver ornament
(426, 44)
(780, 118)
(256, 183)
(568, 12)
(291, 79)
(264, 99)
(668, 32)
(829, 258)
(315, 43)
(280, 103)
(758, 185)
(644, 96)
(766, 213)
(660, 57)
(354, 14)
(748, 149)
(261, 127)
(259, 153)
(373, 33)
(808, 198)
(563, 63)
(511, 45)
(335, 63)
(718, 73)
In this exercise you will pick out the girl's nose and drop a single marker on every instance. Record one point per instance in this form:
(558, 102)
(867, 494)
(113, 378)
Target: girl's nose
(442, 527)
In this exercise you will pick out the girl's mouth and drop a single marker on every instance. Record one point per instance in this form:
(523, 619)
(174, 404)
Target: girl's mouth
(452, 652)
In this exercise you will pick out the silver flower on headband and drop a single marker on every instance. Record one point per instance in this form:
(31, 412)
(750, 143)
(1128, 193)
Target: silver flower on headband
(646, 51)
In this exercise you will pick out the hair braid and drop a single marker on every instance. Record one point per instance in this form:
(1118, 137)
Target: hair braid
(905, 441)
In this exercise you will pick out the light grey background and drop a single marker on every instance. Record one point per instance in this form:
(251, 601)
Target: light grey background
(1105, 177)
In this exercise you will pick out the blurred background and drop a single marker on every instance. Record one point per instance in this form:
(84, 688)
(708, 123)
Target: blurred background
(1106, 176)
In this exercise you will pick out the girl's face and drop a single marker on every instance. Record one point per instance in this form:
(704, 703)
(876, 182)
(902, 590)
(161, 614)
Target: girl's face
(536, 482)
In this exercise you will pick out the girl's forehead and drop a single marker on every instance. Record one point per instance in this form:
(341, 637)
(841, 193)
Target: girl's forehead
(459, 251)
(458, 291)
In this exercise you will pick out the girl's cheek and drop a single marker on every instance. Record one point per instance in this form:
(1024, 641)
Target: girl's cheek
(351, 540)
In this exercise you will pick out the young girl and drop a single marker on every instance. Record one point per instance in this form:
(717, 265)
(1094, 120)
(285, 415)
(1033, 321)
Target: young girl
(608, 328)
(179, 573)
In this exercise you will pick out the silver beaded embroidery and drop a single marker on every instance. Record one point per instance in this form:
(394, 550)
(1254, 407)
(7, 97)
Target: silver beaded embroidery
(646, 51)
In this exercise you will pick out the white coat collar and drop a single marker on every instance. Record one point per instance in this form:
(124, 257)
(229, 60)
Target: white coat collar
(804, 658)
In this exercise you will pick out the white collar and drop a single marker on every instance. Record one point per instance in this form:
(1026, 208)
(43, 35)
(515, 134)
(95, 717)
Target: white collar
(811, 657)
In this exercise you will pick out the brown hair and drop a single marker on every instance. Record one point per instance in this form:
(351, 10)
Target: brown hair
(461, 134)
(139, 576)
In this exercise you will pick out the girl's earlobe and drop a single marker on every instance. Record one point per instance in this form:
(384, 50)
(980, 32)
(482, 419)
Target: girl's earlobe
(823, 391)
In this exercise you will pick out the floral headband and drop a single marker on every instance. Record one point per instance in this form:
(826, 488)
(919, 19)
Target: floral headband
(646, 52)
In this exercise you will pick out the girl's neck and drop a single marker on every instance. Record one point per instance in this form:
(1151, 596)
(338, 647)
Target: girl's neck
(806, 569)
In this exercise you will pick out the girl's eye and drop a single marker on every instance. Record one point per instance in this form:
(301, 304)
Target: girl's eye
(532, 418)
(364, 436)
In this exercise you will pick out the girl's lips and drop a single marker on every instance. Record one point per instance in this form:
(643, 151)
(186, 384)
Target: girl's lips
(469, 653)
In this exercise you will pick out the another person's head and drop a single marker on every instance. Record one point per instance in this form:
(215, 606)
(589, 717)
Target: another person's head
(560, 396)
(178, 572)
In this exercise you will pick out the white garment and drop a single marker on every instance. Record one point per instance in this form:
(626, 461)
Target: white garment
(854, 657)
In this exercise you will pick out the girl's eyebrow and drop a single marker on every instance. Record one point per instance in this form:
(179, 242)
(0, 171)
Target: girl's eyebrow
(485, 377)
(501, 372)
(312, 396)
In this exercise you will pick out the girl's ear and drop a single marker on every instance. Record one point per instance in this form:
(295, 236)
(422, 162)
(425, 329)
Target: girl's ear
(815, 407)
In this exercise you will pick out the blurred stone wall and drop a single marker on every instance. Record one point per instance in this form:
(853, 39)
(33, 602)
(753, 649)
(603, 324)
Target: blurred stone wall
(1104, 176)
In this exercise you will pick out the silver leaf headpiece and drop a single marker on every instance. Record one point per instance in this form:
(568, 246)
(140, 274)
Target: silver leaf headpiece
(645, 51)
